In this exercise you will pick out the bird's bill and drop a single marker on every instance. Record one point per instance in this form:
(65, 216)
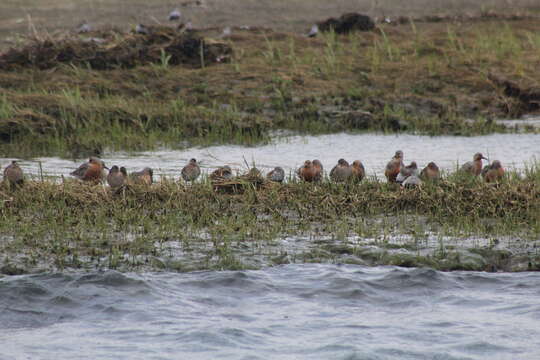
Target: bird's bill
(485, 158)
(106, 167)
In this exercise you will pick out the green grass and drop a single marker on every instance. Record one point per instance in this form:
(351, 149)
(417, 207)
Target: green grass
(185, 227)
(430, 78)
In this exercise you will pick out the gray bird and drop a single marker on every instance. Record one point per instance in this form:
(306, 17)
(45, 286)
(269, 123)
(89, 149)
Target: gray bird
(191, 171)
(13, 174)
(175, 15)
(342, 172)
(406, 171)
(276, 175)
(117, 177)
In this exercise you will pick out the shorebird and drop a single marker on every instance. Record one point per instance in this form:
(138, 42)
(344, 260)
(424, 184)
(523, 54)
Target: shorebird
(117, 177)
(493, 172)
(358, 170)
(473, 167)
(13, 174)
(317, 165)
(90, 171)
(191, 171)
(141, 29)
(314, 31)
(406, 171)
(226, 32)
(175, 15)
(143, 177)
(221, 173)
(394, 166)
(84, 27)
(276, 175)
(342, 172)
(308, 172)
(430, 172)
(412, 181)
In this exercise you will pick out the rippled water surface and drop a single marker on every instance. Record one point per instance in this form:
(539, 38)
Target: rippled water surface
(286, 312)
(514, 150)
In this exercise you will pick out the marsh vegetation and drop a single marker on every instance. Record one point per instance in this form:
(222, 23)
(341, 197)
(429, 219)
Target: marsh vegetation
(444, 77)
(191, 226)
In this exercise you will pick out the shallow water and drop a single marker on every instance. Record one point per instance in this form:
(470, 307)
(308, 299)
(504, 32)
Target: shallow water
(285, 312)
(289, 152)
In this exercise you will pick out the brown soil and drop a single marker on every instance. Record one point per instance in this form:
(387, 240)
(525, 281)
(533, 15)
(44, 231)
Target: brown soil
(112, 49)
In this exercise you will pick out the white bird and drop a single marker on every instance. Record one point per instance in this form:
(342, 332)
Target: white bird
(412, 181)
(84, 27)
(141, 29)
(314, 31)
(226, 31)
(407, 171)
(175, 15)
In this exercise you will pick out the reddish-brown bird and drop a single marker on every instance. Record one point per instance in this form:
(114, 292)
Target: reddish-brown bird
(474, 167)
(91, 171)
(358, 170)
(493, 172)
(143, 177)
(13, 174)
(317, 165)
(430, 172)
(308, 172)
(394, 166)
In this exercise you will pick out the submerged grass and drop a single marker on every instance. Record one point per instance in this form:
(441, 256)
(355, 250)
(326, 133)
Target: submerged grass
(184, 227)
(435, 78)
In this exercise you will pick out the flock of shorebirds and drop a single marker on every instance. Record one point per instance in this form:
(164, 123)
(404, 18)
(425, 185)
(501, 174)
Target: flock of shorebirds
(93, 171)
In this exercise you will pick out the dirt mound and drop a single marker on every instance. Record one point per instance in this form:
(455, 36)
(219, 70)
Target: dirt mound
(107, 50)
(347, 23)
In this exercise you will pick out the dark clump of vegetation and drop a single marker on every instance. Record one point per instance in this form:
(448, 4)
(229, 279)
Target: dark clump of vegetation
(347, 23)
(112, 49)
